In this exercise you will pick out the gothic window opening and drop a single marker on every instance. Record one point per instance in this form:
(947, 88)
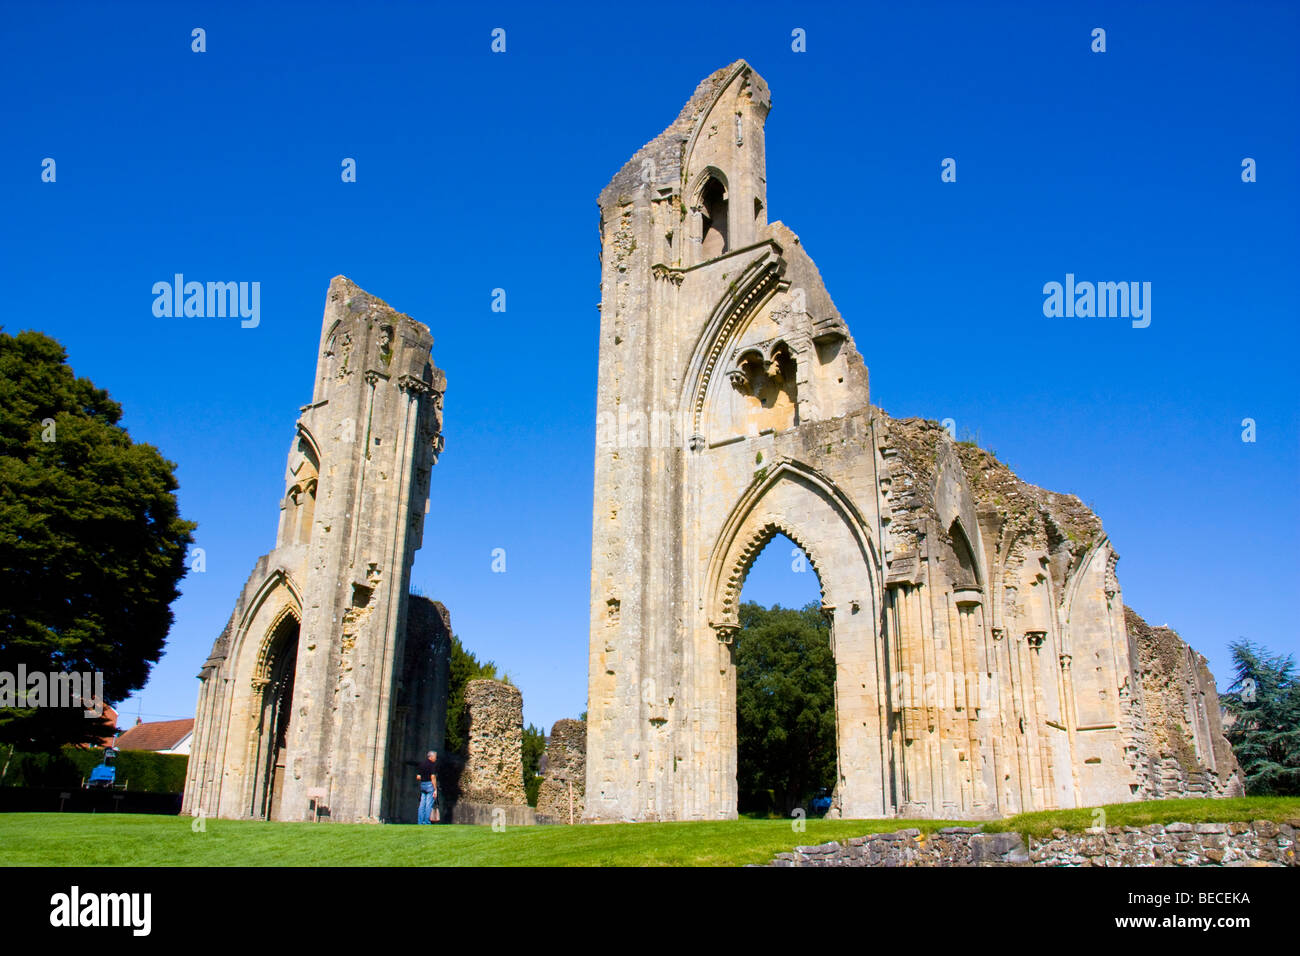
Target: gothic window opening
(713, 199)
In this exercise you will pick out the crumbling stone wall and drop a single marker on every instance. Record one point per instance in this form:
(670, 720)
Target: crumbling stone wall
(1260, 843)
(1187, 752)
(566, 772)
(494, 764)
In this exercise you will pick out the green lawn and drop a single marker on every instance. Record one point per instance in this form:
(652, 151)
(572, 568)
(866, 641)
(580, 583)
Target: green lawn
(78, 839)
(1237, 809)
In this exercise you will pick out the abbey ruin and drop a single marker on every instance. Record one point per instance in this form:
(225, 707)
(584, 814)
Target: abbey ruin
(329, 682)
(985, 661)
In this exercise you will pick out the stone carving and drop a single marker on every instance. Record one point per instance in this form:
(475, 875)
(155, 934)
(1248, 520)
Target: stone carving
(329, 683)
(944, 568)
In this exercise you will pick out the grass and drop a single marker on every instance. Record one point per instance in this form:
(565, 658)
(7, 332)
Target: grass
(78, 839)
(1234, 810)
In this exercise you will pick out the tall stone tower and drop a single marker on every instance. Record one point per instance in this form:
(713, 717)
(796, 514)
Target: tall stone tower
(328, 679)
(985, 663)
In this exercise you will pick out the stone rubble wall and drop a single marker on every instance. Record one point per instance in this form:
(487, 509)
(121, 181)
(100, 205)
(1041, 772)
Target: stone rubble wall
(1260, 843)
(566, 762)
(494, 766)
(1187, 752)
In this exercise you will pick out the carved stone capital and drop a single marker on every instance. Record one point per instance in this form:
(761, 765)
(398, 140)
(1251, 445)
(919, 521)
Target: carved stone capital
(409, 383)
(726, 631)
(1035, 638)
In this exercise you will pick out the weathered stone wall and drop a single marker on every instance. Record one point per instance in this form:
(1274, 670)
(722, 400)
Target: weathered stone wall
(300, 694)
(1261, 843)
(565, 774)
(1187, 752)
(984, 664)
(494, 767)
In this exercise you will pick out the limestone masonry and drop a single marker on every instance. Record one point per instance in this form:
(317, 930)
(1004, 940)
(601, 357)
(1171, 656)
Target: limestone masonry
(1259, 843)
(986, 663)
(329, 683)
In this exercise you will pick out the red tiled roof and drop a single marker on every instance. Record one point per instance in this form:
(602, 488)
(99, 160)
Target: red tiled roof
(159, 735)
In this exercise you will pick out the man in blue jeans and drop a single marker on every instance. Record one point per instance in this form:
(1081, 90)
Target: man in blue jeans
(427, 777)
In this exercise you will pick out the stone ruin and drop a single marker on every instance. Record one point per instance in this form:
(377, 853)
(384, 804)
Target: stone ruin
(986, 663)
(564, 773)
(491, 785)
(327, 685)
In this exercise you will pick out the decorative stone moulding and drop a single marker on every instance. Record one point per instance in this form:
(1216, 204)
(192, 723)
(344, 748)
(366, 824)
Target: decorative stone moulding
(726, 632)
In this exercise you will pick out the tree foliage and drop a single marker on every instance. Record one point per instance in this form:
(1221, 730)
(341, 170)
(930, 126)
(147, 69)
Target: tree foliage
(92, 546)
(464, 668)
(534, 748)
(1264, 730)
(785, 707)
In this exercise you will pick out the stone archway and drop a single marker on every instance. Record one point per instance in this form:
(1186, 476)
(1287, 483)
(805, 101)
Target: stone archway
(273, 684)
(796, 501)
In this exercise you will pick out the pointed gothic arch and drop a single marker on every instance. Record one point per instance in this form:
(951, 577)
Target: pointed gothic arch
(793, 499)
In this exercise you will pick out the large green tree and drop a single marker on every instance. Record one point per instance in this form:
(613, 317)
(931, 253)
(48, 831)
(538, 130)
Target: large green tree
(1264, 727)
(92, 547)
(785, 707)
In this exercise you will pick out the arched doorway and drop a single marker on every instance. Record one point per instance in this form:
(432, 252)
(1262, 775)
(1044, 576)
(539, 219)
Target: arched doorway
(793, 500)
(275, 679)
(786, 740)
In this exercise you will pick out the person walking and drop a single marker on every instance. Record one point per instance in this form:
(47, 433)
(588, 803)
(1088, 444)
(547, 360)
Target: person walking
(427, 778)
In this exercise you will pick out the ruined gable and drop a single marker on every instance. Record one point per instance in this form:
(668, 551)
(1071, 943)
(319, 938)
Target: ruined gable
(984, 665)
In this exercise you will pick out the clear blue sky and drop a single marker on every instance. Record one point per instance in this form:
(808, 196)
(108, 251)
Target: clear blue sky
(479, 170)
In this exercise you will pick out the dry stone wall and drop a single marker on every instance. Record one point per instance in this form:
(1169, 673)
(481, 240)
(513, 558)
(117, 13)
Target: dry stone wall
(1260, 843)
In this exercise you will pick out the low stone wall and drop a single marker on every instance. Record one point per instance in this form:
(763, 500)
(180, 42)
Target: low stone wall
(1261, 843)
(1175, 844)
(951, 846)
(487, 814)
